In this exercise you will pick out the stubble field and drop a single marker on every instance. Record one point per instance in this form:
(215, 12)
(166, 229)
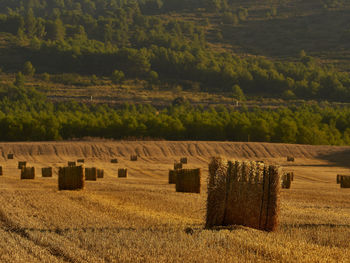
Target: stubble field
(142, 218)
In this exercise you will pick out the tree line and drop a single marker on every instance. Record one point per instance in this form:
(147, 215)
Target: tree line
(26, 115)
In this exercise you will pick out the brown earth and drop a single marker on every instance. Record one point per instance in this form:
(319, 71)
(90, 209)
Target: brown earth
(142, 218)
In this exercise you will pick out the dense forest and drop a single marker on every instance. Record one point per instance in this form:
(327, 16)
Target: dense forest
(142, 40)
(186, 43)
(25, 114)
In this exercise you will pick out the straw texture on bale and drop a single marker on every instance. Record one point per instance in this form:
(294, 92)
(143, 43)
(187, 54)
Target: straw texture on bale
(10, 156)
(188, 180)
(243, 193)
(345, 181)
(183, 160)
(172, 177)
(1, 170)
(123, 172)
(100, 173)
(286, 180)
(22, 164)
(27, 173)
(80, 161)
(71, 164)
(91, 174)
(133, 158)
(290, 159)
(114, 160)
(71, 178)
(46, 172)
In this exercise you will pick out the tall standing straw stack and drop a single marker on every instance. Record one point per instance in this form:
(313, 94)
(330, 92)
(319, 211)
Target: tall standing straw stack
(71, 178)
(46, 172)
(22, 164)
(243, 193)
(345, 181)
(27, 173)
(172, 177)
(188, 180)
(100, 173)
(286, 180)
(133, 158)
(123, 172)
(91, 174)
(1, 170)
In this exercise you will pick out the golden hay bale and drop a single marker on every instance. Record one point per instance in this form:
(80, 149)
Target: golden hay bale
(243, 193)
(133, 158)
(345, 181)
(100, 173)
(71, 178)
(123, 172)
(188, 180)
(290, 159)
(46, 172)
(22, 164)
(183, 160)
(286, 180)
(27, 173)
(91, 174)
(10, 156)
(1, 170)
(338, 178)
(177, 166)
(114, 160)
(71, 164)
(172, 177)
(81, 161)
(216, 201)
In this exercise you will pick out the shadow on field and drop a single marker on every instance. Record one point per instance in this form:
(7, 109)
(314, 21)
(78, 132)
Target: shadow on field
(340, 158)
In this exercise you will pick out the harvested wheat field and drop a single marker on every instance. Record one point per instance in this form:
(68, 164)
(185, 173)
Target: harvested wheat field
(142, 218)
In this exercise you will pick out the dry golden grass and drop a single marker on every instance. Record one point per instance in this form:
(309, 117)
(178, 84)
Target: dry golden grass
(143, 219)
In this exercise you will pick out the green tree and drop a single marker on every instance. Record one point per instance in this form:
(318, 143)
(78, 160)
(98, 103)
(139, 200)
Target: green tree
(117, 76)
(28, 69)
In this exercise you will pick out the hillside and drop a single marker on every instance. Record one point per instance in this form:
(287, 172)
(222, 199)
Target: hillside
(281, 49)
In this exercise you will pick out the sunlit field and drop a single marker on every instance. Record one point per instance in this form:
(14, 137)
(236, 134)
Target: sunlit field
(142, 219)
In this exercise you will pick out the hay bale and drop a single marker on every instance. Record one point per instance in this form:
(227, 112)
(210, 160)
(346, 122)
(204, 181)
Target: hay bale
(81, 161)
(10, 156)
(100, 173)
(243, 193)
(344, 181)
(188, 180)
(22, 164)
(339, 176)
(114, 160)
(71, 164)
(286, 180)
(91, 174)
(133, 158)
(1, 170)
(177, 166)
(27, 173)
(71, 178)
(183, 160)
(217, 184)
(290, 159)
(122, 172)
(172, 177)
(46, 172)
